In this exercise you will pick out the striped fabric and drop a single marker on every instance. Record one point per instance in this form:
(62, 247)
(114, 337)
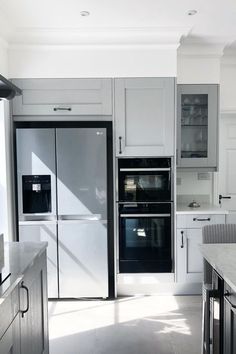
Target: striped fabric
(219, 233)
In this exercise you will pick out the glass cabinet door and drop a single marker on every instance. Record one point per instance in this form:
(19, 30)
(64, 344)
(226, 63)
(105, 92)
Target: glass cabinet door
(197, 125)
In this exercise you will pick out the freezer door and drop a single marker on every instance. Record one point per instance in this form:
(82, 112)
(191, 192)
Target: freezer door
(35, 156)
(35, 231)
(83, 263)
(82, 171)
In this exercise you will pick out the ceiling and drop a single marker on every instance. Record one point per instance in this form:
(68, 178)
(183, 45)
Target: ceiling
(142, 21)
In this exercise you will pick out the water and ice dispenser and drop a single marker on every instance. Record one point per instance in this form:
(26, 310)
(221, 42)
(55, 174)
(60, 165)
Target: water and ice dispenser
(36, 191)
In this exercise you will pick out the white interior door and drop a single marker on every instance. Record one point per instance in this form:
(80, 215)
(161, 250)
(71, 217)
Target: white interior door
(227, 165)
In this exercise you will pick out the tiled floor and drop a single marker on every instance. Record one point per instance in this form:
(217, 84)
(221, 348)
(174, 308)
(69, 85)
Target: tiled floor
(132, 325)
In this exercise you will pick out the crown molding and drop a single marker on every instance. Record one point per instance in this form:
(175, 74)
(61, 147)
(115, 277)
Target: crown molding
(98, 36)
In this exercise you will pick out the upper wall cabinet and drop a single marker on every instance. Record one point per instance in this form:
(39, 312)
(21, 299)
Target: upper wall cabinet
(197, 136)
(63, 97)
(145, 116)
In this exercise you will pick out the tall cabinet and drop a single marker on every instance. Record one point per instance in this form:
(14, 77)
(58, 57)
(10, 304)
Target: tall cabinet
(197, 136)
(144, 116)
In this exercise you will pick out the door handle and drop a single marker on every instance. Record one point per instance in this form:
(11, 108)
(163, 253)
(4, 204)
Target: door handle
(182, 239)
(23, 312)
(62, 109)
(120, 146)
(201, 219)
(223, 197)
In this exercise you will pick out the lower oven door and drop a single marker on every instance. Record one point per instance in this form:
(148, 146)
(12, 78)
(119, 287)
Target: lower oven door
(145, 239)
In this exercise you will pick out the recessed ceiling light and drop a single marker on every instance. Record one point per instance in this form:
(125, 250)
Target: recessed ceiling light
(84, 13)
(192, 12)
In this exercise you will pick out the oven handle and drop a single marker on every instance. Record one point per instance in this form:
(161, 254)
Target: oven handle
(144, 215)
(144, 169)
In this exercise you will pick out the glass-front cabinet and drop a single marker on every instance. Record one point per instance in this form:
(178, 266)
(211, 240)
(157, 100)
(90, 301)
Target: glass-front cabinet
(197, 137)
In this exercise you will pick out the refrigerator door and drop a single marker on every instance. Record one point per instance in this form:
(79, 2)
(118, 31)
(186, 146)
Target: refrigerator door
(36, 160)
(36, 231)
(82, 212)
(83, 264)
(82, 171)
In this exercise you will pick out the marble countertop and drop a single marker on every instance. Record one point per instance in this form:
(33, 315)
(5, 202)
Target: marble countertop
(222, 257)
(18, 257)
(203, 209)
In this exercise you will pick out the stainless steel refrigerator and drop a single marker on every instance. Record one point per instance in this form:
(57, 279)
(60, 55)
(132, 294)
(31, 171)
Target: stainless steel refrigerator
(63, 184)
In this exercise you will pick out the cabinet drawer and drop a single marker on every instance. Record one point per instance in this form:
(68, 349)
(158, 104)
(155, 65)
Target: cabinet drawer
(63, 97)
(199, 220)
(9, 309)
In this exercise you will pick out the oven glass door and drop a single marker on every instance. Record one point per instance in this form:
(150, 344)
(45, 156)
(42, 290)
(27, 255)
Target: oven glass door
(145, 242)
(144, 186)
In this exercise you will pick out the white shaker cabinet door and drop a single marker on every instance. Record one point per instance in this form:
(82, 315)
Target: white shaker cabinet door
(189, 263)
(144, 116)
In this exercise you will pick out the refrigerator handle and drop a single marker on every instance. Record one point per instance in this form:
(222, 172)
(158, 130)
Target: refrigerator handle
(80, 217)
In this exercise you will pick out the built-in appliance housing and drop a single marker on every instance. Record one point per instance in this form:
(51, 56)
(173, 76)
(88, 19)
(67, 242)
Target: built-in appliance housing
(65, 197)
(145, 215)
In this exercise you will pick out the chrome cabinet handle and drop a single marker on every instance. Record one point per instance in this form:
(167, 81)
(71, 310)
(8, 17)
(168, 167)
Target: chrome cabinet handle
(182, 239)
(120, 147)
(144, 215)
(62, 109)
(23, 312)
(203, 219)
(145, 169)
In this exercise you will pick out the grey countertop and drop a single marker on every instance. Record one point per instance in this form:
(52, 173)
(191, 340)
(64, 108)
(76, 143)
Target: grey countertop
(222, 257)
(203, 209)
(18, 257)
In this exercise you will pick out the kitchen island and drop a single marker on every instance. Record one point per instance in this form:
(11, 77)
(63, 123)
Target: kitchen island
(23, 299)
(219, 299)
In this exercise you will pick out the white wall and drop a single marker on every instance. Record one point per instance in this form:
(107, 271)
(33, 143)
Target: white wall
(190, 185)
(199, 64)
(3, 58)
(92, 61)
(228, 84)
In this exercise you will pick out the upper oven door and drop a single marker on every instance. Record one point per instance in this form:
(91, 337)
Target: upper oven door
(144, 185)
(145, 180)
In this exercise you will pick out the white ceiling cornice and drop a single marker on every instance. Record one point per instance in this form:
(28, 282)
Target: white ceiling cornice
(99, 36)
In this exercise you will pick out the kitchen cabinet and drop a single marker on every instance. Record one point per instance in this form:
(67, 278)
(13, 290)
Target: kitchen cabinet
(23, 305)
(189, 262)
(10, 342)
(9, 324)
(63, 97)
(145, 116)
(229, 321)
(197, 126)
(33, 306)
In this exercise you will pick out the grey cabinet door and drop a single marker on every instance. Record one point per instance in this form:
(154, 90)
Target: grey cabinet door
(10, 342)
(145, 116)
(197, 126)
(63, 97)
(229, 328)
(34, 323)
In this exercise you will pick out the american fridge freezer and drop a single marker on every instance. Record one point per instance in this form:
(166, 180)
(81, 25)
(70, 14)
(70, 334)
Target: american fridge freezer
(65, 198)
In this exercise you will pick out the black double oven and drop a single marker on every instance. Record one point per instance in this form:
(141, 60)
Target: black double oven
(145, 208)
